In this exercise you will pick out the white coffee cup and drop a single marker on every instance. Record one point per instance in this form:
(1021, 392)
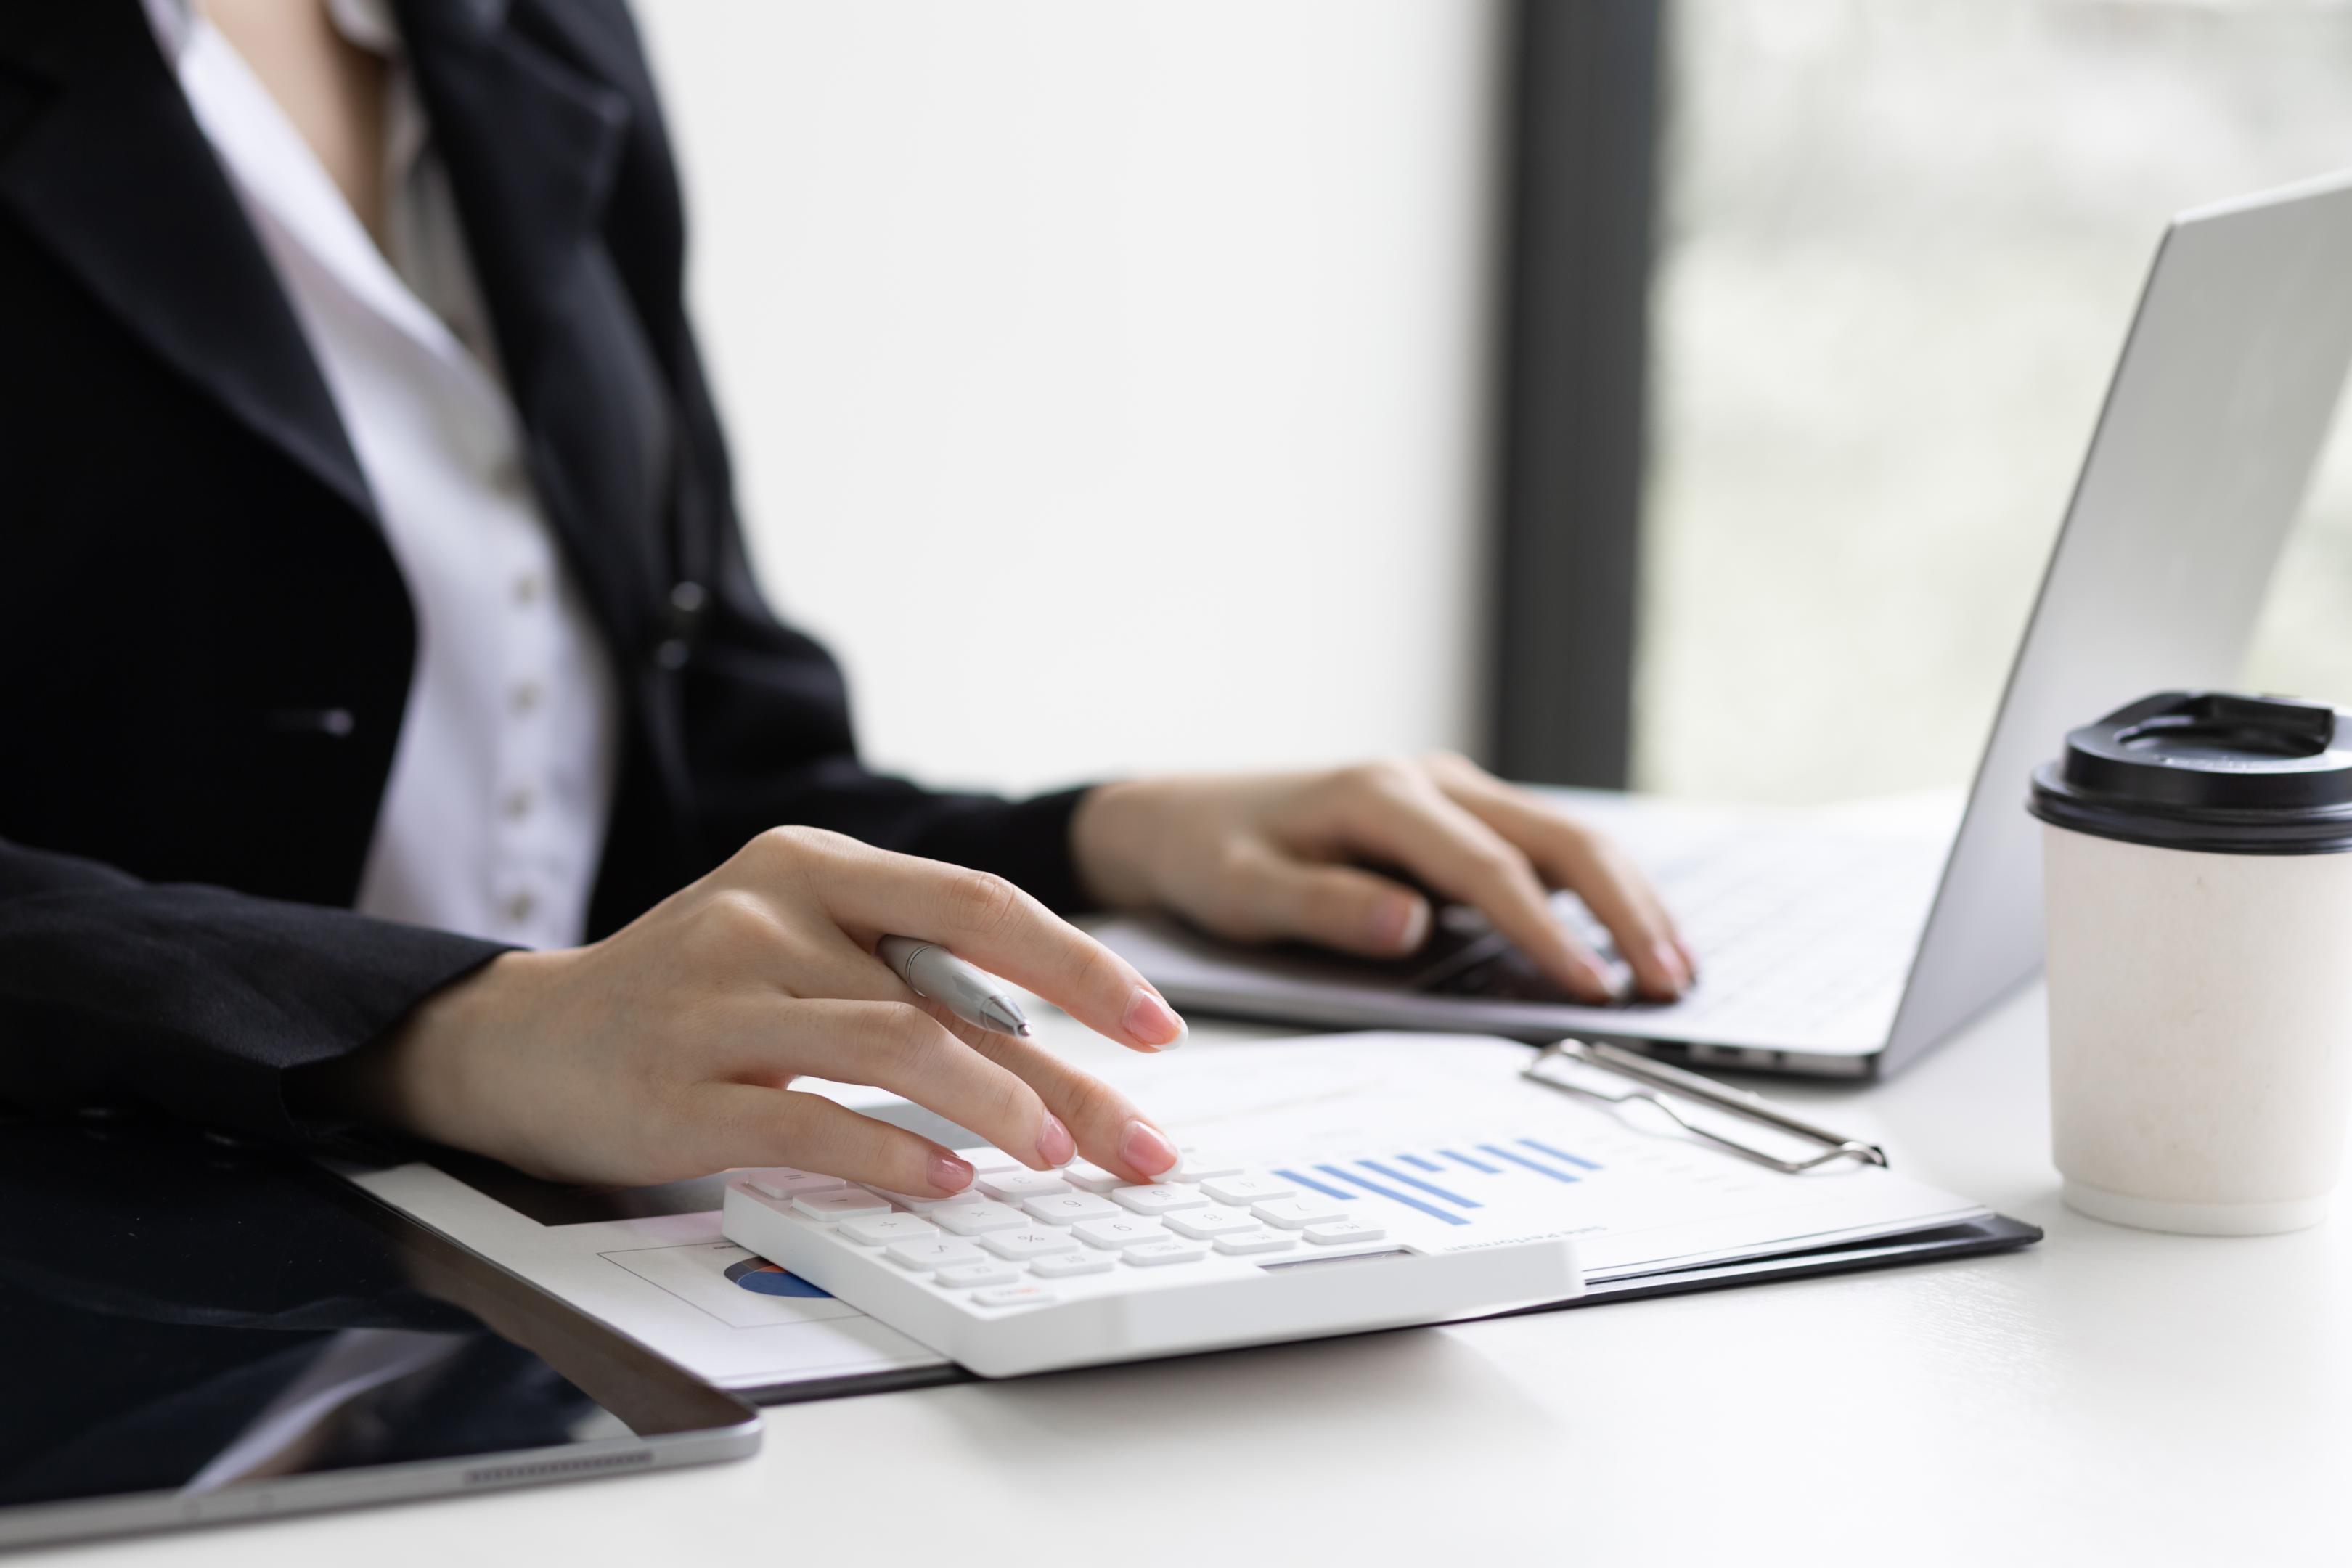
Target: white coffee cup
(2197, 881)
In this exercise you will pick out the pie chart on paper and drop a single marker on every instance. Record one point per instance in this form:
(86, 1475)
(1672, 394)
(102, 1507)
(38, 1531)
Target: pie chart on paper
(762, 1277)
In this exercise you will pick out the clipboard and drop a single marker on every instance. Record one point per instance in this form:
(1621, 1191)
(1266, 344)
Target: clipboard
(1658, 1085)
(1656, 1081)
(1429, 1118)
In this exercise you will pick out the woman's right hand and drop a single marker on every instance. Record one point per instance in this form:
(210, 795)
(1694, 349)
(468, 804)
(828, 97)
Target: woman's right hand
(668, 1049)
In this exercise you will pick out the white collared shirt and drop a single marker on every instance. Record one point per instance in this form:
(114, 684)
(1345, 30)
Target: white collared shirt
(494, 816)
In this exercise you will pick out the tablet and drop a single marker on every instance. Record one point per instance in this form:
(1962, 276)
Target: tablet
(195, 1330)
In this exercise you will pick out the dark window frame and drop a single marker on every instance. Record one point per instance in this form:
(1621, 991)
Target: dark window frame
(1579, 153)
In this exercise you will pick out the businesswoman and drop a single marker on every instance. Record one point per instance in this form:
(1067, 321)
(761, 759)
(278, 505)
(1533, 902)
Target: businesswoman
(395, 736)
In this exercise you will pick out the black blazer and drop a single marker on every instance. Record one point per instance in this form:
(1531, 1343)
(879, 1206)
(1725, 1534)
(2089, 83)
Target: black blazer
(204, 643)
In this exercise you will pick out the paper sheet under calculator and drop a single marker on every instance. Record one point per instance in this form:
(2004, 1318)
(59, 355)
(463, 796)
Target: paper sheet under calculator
(1443, 1124)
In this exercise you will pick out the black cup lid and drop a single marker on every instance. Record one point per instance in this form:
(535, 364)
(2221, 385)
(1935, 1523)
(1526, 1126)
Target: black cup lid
(2209, 771)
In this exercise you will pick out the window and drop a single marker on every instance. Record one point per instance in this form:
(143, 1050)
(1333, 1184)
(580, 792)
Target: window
(1898, 247)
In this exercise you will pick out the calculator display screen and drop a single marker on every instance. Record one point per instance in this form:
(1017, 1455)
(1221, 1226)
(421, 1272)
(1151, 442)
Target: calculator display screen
(191, 1330)
(1337, 1262)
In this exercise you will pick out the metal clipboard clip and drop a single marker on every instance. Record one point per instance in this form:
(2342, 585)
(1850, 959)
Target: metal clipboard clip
(1659, 1078)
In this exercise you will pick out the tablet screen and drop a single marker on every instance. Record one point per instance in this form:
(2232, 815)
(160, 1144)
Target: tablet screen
(195, 1331)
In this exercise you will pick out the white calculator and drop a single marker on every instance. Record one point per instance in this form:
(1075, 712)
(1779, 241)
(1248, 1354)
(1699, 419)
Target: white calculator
(1032, 1270)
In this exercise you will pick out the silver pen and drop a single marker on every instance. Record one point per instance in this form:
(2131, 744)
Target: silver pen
(934, 973)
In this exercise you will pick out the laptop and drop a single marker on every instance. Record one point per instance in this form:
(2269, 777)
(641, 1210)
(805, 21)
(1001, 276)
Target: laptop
(1843, 943)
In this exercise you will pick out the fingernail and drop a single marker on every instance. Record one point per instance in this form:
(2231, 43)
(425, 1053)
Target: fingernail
(1401, 923)
(1054, 1144)
(1151, 1022)
(1672, 963)
(949, 1175)
(1597, 986)
(1146, 1148)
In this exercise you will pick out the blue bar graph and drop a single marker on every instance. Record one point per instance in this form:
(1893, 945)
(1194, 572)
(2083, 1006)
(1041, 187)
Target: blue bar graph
(1406, 1198)
(1404, 1178)
(1327, 1191)
(1557, 1154)
(1523, 1159)
(1431, 1189)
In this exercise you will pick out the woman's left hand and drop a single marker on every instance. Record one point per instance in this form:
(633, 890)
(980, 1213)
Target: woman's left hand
(1276, 856)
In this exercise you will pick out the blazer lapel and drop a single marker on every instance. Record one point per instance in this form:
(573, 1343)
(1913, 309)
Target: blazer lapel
(113, 173)
(532, 141)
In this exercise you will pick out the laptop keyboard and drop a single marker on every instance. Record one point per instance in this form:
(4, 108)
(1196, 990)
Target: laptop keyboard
(1794, 933)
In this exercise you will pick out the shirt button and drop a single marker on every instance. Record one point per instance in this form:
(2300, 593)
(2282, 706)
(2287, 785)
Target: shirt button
(519, 803)
(519, 908)
(528, 587)
(526, 696)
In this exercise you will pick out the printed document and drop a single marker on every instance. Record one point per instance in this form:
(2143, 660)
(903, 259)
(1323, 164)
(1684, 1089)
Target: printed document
(1442, 1124)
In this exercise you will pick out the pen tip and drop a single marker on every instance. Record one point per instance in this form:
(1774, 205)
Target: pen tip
(1004, 1015)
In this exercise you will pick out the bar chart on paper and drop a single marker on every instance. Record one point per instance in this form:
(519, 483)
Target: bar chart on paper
(1445, 1127)
(1414, 1180)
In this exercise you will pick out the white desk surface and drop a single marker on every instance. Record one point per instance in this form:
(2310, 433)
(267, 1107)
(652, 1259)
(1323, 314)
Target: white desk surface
(2109, 1396)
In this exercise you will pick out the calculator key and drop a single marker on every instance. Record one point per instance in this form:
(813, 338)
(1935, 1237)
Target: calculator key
(1115, 1234)
(1243, 1191)
(1014, 1185)
(962, 1276)
(1091, 1178)
(1013, 1296)
(1035, 1241)
(1054, 1265)
(985, 1159)
(1203, 1223)
(1257, 1241)
(1298, 1213)
(1157, 1199)
(1155, 1254)
(908, 1201)
(1068, 1208)
(846, 1203)
(879, 1230)
(788, 1183)
(1332, 1235)
(941, 1252)
(972, 1219)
